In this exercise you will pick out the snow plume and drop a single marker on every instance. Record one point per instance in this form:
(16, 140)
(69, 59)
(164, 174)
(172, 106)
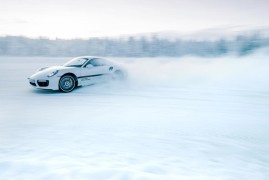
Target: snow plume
(245, 72)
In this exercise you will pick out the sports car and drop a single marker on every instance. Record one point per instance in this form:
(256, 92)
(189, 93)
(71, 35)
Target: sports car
(80, 71)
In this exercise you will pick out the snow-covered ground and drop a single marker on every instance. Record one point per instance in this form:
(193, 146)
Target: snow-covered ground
(174, 118)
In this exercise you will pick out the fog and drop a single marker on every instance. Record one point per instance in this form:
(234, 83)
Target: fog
(172, 118)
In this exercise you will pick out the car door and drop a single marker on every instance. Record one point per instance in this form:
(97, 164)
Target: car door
(94, 72)
(105, 67)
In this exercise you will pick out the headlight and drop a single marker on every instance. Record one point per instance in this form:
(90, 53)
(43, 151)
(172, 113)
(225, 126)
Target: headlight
(53, 73)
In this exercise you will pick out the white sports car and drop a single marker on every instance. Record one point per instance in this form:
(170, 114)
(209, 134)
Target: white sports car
(80, 71)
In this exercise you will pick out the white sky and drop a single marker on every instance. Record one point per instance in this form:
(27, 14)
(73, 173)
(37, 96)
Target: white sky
(90, 18)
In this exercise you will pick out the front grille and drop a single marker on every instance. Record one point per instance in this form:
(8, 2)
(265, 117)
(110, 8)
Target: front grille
(43, 83)
(33, 84)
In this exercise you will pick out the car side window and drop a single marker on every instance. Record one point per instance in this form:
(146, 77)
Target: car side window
(89, 62)
(98, 62)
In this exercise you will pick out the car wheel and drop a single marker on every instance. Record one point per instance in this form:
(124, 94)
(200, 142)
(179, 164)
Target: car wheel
(67, 83)
(118, 75)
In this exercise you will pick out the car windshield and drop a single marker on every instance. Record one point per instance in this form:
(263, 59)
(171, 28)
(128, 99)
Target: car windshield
(76, 62)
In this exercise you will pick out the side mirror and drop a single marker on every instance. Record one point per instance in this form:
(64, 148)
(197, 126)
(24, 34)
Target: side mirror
(89, 66)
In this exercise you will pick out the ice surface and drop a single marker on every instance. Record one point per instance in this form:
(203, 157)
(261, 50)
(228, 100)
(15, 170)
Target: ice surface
(174, 118)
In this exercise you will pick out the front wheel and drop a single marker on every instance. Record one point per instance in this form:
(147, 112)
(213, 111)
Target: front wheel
(67, 83)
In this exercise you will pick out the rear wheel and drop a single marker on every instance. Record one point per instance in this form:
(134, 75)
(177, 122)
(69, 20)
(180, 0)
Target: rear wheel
(118, 75)
(67, 83)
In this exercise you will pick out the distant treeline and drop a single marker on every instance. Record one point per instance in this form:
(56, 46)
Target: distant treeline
(129, 47)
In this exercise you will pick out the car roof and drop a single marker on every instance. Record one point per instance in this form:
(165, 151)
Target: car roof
(90, 57)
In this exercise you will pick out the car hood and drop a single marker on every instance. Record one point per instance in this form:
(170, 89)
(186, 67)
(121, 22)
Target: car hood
(48, 70)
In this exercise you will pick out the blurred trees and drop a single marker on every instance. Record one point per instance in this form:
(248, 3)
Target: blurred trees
(129, 47)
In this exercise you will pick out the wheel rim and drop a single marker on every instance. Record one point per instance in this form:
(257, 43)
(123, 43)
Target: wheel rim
(67, 83)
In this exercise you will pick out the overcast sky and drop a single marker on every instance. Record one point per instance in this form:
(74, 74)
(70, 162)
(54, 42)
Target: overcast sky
(90, 18)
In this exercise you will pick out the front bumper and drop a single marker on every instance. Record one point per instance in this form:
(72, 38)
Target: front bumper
(48, 83)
